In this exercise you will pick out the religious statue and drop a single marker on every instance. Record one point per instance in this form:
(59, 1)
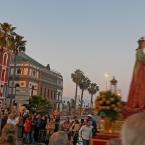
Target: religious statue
(136, 97)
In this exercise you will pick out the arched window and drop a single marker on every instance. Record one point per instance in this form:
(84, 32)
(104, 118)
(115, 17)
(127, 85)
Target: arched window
(5, 58)
(19, 71)
(3, 75)
(17, 85)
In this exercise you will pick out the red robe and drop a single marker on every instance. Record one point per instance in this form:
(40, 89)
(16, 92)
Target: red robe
(136, 98)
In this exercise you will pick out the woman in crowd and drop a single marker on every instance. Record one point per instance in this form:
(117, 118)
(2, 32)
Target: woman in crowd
(50, 127)
(27, 130)
(75, 131)
(66, 125)
(8, 136)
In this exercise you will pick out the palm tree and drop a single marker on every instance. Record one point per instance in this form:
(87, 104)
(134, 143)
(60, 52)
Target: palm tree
(84, 84)
(76, 78)
(11, 41)
(6, 31)
(92, 89)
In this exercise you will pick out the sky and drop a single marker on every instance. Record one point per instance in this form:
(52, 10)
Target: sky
(95, 36)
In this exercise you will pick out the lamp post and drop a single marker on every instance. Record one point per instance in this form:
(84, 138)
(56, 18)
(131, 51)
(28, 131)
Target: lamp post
(106, 81)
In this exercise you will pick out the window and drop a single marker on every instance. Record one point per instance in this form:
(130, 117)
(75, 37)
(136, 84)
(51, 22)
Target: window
(19, 71)
(17, 85)
(3, 75)
(41, 91)
(51, 94)
(5, 58)
(44, 92)
(33, 73)
(54, 95)
(48, 93)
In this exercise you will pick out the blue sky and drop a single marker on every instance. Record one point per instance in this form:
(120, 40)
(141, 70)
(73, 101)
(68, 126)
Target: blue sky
(96, 36)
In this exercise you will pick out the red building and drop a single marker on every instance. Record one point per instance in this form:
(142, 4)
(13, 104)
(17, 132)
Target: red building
(5, 57)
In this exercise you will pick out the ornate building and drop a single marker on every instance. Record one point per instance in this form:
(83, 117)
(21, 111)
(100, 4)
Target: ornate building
(5, 57)
(32, 78)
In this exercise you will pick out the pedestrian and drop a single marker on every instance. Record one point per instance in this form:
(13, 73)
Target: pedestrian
(27, 130)
(11, 119)
(59, 138)
(86, 132)
(133, 130)
(8, 136)
(75, 131)
(50, 127)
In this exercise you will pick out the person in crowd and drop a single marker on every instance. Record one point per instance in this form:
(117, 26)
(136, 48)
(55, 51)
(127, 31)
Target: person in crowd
(75, 131)
(59, 138)
(3, 120)
(27, 130)
(38, 127)
(94, 129)
(50, 127)
(33, 121)
(85, 132)
(133, 130)
(11, 119)
(66, 125)
(82, 122)
(8, 136)
(20, 124)
(42, 132)
(56, 115)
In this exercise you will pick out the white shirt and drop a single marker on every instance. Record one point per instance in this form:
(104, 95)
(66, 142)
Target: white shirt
(11, 121)
(85, 132)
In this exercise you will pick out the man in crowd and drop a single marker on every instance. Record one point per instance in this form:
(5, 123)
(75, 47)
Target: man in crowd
(86, 132)
(59, 138)
(133, 130)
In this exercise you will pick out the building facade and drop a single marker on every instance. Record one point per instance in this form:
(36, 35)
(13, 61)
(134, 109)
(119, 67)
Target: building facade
(32, 78)
(5, 57)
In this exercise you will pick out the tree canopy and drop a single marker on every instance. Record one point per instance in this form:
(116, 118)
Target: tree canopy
(39, 105)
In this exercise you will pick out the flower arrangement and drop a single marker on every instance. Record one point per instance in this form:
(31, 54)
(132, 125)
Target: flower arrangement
(108, 105)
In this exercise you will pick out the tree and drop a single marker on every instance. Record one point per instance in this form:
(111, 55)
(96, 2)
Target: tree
(84, 84)
(6, 34)
(9, 39)
(39, 105)
(92, 89)
(12, 41)
(76, 78)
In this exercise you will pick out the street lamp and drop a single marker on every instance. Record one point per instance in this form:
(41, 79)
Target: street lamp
(106, 80)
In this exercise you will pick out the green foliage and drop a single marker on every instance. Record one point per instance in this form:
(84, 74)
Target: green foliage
(93, 88)
(77, 76)
(108, 105)
(84, 83)
(38, 105)
(10, 39)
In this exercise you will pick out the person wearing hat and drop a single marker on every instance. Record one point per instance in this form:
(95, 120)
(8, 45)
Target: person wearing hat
(94, 125)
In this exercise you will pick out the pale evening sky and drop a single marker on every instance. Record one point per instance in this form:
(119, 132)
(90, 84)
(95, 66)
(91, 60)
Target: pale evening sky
(96, 36)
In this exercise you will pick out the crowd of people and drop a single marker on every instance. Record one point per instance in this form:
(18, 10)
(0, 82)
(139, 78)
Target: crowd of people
(35, 128)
